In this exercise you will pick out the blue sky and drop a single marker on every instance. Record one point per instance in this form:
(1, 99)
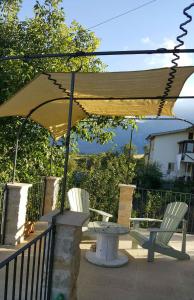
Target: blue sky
(150, 27)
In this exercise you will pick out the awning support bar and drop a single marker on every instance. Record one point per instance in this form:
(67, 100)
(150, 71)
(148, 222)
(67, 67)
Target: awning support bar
(67, 142)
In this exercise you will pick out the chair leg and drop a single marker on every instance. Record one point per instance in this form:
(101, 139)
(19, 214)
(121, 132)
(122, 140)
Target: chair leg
(151, 246)
(184, 231)
(150, 255)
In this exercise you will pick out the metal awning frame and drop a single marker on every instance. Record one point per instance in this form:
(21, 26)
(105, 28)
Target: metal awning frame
(71, 96)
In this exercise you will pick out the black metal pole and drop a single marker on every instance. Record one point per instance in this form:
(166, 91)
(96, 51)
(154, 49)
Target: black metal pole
(130, 142)
(67, 141)
(15, 159)
(4, 213)
(16, 147)
(95, 53)
(51, 157)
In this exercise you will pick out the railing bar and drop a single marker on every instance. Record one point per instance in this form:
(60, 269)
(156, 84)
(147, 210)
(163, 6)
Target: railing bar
(35, 199)
(33, 269)
(155, 190)
(6, 281)
(21, 275)
(18, 252)
(14, 278)
(27, 273)
(42, 271)
(51, 261)
(47, 264)
(38, 269)
(43, 196)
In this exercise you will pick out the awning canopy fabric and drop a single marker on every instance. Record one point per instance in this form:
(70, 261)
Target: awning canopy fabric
(106, 94)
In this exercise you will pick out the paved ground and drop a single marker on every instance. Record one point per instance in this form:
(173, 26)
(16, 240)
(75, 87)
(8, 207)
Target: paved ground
(164, 279)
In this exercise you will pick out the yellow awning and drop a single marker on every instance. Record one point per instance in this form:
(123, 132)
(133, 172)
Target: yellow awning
(107, 94)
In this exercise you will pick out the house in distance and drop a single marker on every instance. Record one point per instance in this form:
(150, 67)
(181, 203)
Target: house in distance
(174, 152)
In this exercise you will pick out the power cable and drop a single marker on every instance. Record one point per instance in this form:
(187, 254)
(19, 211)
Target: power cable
(122, 14)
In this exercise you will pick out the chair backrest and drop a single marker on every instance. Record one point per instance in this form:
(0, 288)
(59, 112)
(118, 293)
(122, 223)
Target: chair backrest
(173, 215)
(78, 200)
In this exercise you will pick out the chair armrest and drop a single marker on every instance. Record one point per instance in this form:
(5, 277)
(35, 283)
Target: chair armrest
(100, 212)
(145, 220)
(136, 221)
(159, 230)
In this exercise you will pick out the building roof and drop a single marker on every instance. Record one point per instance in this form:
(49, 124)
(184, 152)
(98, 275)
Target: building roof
(152, 135)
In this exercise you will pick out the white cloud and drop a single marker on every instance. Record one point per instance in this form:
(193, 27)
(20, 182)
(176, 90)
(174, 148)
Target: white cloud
(125, 48)
(146, 40)
(184, 108)
(164, 60)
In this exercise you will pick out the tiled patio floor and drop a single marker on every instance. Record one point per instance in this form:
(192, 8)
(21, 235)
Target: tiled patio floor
(165, 278)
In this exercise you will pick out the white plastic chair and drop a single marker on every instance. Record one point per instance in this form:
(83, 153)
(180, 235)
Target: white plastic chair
(79, 201)
(159, 237)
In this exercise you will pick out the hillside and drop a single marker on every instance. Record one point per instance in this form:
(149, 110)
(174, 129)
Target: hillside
(122, 137)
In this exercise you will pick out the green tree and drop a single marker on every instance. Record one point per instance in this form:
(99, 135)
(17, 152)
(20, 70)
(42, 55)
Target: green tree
(100, 175)
(148, 176)
(45, 32)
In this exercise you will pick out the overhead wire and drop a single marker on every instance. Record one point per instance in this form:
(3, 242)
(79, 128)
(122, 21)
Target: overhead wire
(122, 14)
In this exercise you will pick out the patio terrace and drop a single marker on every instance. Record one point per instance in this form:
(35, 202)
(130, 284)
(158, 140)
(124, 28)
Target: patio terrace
(165, 278)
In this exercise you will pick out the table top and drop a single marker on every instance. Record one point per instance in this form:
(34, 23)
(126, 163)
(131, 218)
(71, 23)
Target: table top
(107, 228)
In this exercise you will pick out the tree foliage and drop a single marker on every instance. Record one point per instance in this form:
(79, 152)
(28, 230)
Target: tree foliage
(148, 176)
(45, 32)
(100, 175)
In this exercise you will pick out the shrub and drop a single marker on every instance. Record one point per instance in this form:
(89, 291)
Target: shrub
(101, 179)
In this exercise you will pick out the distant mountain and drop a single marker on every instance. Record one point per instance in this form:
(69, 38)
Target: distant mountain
(122, 137)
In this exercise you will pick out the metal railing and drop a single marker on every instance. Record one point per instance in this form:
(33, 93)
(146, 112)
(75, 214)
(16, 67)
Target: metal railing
(3, 210)
(152, 203)
(27, 273)
(35, 203)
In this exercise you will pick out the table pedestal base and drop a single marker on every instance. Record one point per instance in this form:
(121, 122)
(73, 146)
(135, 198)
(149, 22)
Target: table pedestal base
(121, 260)
(107, 254)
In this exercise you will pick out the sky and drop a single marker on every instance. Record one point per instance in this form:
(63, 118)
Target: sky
(153, 26)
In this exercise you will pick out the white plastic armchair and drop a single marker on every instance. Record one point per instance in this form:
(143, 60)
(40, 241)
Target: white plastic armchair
(79, 201)
(158, 238)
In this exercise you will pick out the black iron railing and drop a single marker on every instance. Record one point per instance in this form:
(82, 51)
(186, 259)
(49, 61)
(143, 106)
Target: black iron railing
(27, 273)
(152, 203)
(3, 210)
(35, 203)
(60, 193)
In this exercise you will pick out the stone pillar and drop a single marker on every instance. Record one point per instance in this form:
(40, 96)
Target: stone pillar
(15, 212)
(66, 253)
(125, 204)
(51, 194)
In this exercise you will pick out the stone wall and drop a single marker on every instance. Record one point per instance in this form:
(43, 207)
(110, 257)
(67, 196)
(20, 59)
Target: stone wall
(51, 194)
(66, 262)
(66, 253)
(15, 217)
(125, 204)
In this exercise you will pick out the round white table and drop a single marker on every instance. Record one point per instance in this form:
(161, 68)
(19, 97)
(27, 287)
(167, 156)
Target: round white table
(107, 254)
